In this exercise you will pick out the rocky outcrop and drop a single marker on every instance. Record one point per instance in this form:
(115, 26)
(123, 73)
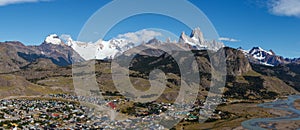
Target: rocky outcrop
(237, 63)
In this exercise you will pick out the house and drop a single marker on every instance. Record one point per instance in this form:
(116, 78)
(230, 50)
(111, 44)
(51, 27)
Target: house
(112, 105)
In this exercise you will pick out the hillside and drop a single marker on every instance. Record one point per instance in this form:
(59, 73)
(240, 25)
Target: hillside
(244, 79)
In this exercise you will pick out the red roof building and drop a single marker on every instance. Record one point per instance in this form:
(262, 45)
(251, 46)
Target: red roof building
(112, 105)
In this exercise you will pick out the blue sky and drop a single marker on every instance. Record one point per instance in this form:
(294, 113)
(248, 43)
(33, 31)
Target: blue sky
(271, 24)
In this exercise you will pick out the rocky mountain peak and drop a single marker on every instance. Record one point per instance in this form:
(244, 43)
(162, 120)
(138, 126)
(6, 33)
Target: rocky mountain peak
(183, 37)
(258, 55)
(197, 34)
(197, 41)
(13, 43)
(272, 52)
(154, 41)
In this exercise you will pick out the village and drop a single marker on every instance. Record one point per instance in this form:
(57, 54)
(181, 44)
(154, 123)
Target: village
(63, 111)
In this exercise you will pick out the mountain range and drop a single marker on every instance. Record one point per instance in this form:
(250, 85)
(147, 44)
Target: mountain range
(46, 68)
(65, 51)
(269, 58)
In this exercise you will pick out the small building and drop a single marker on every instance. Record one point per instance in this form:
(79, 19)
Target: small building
(112, 105)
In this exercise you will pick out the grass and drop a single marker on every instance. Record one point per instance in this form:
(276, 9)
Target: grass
(241, 79)
(277, 85)
(57, 81)
(13, 85)
(239, 113)
(252, 73)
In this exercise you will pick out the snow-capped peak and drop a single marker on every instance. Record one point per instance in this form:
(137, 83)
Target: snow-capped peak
(53, 39)
(260, 56)
(116, 46)
(197, 35)
(196, 41)
(259, 50)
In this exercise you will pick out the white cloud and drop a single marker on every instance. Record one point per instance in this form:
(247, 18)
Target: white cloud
(65, 36)
(140, 36)
(285, 7)
(9, 2)
(226, 39)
